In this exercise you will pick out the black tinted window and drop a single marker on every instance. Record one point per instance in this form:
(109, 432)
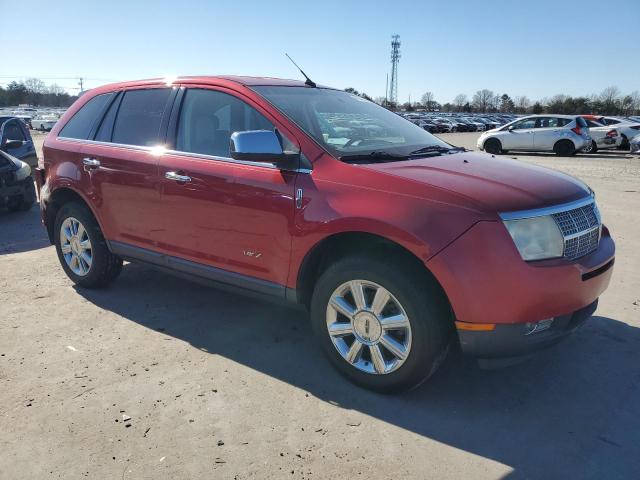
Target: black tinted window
(139, 116)
(81, 123)
(12, 131)
(106, 127)
(208, 118)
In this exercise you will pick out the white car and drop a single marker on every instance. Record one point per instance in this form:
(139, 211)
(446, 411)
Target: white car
(44, 123)
(562, 134)
(602, 137)
(627, 128)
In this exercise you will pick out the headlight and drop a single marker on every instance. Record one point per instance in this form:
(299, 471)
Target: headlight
(23, 172)
(536, 238)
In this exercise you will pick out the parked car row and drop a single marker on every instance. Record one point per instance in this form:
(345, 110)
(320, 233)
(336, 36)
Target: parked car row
(36, 119)
(448, 122)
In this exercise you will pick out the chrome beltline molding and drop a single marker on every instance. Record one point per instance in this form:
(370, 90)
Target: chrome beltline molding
(540, 212)
(179, 153)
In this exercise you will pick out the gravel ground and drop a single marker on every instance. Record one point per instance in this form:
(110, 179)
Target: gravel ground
(222, 386)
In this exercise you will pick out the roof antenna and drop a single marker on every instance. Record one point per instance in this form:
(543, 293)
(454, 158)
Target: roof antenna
(308, 81)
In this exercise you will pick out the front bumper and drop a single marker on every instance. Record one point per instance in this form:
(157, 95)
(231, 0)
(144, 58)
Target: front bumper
(487, 282)
(508, 341)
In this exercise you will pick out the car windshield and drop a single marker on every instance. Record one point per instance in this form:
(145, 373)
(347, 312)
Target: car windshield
(351, 127)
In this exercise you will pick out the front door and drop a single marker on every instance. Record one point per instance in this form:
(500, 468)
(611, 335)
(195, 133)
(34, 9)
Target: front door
(15, 130)
(230, 215)
(519, 136)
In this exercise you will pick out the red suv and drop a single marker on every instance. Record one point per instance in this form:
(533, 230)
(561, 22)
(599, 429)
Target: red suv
(398, 243)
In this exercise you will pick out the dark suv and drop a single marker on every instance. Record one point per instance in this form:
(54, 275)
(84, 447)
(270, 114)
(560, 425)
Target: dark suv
(398, 243)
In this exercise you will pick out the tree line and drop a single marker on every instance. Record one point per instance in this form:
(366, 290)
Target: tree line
(611, 101)
(34, 91)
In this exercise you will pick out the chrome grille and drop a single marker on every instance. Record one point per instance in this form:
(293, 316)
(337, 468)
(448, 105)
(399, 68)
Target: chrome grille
(580, 228)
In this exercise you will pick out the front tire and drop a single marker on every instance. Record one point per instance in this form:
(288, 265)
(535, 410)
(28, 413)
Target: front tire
(82, 249)
(385, 329)
(493, 146)
(24, 202)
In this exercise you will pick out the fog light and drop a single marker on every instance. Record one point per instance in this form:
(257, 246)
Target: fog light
(536, 327)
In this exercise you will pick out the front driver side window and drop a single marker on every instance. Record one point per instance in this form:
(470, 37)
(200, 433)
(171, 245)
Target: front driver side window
(525, 124)
(208, 118)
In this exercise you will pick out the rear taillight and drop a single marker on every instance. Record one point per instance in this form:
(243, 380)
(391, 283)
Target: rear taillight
(612, 133)
(577, 130)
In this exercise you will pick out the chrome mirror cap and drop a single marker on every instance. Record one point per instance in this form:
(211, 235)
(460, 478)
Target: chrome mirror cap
(256, 146)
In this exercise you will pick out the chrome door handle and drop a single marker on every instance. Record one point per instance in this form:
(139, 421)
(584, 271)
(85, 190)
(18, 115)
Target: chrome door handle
(91, 162)
(177, 177)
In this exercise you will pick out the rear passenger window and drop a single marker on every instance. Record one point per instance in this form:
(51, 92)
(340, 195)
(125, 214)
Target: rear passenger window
(139, 117)
(82, 122)
(208, 118)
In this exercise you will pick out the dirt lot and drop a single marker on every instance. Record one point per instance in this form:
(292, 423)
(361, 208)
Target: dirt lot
(221, 386)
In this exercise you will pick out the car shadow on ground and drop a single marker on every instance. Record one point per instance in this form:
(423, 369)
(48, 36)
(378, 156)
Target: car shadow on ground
(570, 412)
(21, 231)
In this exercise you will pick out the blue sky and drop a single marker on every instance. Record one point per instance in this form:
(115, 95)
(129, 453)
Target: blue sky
(536, 48)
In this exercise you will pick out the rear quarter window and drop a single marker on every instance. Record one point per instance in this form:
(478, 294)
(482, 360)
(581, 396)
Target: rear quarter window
(80, 125)
(139, 116)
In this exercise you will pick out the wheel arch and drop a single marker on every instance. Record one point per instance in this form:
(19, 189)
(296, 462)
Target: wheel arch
(54, 202)
(340, 244)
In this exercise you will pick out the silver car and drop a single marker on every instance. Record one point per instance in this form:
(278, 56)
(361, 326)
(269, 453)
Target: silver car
(561, 134)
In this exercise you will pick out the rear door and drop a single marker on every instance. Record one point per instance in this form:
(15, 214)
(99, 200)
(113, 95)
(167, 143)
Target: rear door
(547, 132)
(122, 164)
(231, 215)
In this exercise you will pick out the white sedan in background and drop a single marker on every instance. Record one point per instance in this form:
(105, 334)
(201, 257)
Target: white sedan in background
(44, 123)
(602, 137)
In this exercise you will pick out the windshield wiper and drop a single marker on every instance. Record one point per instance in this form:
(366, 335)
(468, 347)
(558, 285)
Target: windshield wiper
(437, 149)
(375, 156)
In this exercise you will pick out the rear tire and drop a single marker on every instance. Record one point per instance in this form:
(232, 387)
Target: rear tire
(564, 148)
(94, 266)
(592, 148)
(493, 146)
(625, 144)
(424, 331)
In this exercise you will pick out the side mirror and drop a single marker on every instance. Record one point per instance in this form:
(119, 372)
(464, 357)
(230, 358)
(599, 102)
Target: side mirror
(13, 144)
(262, 146)
(510, 128)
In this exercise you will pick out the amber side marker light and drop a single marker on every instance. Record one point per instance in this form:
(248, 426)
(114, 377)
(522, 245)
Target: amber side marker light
(476, 327)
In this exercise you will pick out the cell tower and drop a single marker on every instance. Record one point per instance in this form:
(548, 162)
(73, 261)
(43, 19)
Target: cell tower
(395, 58)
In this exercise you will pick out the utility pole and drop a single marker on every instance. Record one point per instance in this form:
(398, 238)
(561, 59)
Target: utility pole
(395, 58)
(81, 84)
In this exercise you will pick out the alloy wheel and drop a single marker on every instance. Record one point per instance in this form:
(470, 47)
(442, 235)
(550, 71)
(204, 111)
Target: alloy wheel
(76, 246)
(368, 327)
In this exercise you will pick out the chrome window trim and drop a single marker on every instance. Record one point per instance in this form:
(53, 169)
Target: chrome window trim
(202, 156)
(541, 212)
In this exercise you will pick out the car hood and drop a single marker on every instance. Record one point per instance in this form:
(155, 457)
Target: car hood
(488, 183)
